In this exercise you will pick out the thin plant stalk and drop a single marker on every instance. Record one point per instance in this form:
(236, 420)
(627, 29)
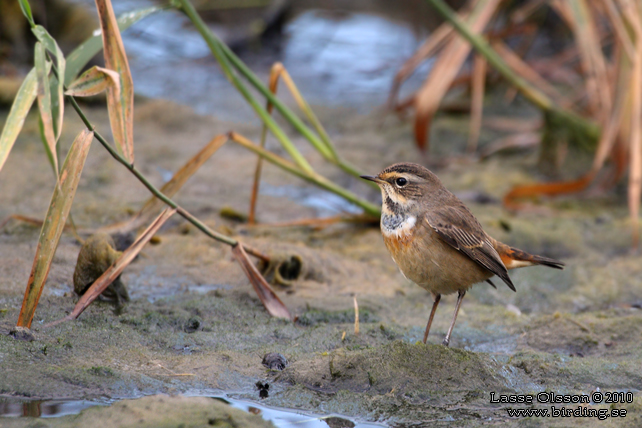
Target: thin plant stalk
(277, 72)
(251, 218)
(182, 212)
(311, 177)
(215, 46)
(170, 188)
(635, 170)
(478, 85)
(325, 148)
(226, 59)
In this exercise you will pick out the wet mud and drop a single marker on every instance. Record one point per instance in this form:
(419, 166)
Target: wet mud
(194, 322)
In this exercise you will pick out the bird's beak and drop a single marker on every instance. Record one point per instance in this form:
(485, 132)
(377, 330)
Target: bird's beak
(372, 178)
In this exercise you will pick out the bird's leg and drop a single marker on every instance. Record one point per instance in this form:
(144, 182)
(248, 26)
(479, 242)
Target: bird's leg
(460, 297)
(436, 298)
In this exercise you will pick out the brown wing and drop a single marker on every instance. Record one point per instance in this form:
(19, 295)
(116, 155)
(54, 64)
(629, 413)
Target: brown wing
(460, 230)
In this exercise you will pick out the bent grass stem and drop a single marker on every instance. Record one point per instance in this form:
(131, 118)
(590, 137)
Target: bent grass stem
(168, 201)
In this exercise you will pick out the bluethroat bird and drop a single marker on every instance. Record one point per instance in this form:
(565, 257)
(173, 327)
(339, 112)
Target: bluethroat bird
(437, 242)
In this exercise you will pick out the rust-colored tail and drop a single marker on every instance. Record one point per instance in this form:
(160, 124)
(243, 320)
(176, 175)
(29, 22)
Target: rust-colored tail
(514, 258)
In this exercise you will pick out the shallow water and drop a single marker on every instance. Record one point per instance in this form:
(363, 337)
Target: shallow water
(47, 408)
(281, 418)
(324, 203)
(337, 59)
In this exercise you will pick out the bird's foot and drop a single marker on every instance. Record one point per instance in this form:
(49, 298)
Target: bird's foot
(446, 342)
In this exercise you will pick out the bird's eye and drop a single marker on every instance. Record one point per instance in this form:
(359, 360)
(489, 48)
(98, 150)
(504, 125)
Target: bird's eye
(401, 181)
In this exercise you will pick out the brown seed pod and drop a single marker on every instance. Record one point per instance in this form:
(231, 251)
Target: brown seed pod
(95, 257)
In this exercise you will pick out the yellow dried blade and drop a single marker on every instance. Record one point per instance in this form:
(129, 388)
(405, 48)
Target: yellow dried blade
(44, 104)
(19, 109)
(54, 224)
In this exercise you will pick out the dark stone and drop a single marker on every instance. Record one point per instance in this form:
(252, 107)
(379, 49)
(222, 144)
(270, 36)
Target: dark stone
(335, 422)
(263, 388)
(275, 361)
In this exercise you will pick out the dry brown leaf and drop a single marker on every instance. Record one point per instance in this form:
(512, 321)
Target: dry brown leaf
(522, 140)
(43, 65)
(93, 82)
(268, 297)
(524, 70)
(446, 69)
(548, 189)
(120, 104)
(432, 44)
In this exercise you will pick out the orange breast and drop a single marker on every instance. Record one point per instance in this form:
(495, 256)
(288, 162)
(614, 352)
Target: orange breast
(397, 243)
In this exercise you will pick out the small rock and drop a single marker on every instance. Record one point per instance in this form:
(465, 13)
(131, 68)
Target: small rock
(336, 422)
(514, 309)
(22, 333)
(96, 255)
(263, 388)
(275, 361)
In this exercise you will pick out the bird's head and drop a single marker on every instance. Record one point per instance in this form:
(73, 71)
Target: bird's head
(403, 185)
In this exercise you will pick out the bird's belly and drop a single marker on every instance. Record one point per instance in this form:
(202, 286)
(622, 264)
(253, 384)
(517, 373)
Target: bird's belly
(432, 264)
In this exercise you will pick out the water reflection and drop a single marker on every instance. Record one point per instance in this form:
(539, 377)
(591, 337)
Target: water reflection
(347, 59)
(282, 418)
(45, 409)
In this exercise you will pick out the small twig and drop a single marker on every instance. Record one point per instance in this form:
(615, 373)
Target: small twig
(172, 373)
(323, 222)
(25, 219)
(580, 325)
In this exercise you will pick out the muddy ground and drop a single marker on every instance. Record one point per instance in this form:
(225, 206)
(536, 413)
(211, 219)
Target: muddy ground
(195, 324)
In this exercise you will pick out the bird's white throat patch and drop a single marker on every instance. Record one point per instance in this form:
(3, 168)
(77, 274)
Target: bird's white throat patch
(397, 224)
